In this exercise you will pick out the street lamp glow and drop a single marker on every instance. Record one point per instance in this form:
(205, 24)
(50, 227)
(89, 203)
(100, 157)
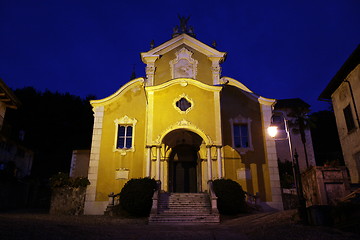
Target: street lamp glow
(272, 131)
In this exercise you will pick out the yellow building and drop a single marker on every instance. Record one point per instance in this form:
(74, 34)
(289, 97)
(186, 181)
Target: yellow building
(182, 124)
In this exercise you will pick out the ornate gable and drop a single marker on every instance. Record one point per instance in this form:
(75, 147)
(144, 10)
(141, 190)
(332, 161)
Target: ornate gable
(183, 66)
(183, 62)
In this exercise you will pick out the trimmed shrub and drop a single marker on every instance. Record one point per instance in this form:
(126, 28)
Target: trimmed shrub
(231, 197)
(136, 196)
(63, 180)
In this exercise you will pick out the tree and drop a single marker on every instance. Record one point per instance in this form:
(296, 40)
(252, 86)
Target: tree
(54, 125)
(325, 138)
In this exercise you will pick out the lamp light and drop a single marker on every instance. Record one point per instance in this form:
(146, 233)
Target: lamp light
(272, 131)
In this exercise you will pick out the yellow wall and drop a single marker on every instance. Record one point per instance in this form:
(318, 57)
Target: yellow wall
(235, 102)
(130, 102)
(156, 115)
(202, 114)
(165, 117)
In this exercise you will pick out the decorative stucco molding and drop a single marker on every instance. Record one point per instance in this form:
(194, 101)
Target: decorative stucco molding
(184, 124)
(177, 100)
(215, 68)
(183, 66)
(150, 68)
(183, 82)
(125, 120)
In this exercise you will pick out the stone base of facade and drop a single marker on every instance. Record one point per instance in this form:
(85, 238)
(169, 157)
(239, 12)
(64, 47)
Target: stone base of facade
(95, 207)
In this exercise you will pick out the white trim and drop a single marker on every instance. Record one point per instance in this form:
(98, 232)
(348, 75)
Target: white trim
(188, 99)
(128, 122)
(271, 158)
(241, 120)
(94, 103)
(235, 83)
(91, 206)
(183, 82)
(179, 40)
(248, 92)
(175, 64)
(183, 124)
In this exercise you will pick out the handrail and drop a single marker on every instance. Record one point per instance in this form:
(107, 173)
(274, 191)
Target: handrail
(155, 198)
(112, 197)
(213, 197)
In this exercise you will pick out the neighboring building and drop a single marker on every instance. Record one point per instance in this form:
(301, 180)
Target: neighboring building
(294, 111)
(79, 163)
(183, 124)
(344, 92)
(13, 154)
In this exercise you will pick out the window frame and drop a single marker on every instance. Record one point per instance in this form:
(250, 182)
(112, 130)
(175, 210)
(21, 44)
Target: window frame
(241, 137)
(124, 122)
(188, 99)
(124, 137)
(349, 118)
(241, 121)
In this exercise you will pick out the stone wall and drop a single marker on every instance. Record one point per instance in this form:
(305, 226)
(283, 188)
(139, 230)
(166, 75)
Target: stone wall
(325, 185)
(68, 201)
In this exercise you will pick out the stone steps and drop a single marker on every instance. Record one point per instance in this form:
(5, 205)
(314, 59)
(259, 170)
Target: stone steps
(184, 208)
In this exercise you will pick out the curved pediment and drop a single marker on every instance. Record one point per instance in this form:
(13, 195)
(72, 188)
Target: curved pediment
(133, 85)
(183, 82)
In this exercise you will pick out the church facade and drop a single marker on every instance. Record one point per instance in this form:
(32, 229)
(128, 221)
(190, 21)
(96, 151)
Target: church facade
(182, 124)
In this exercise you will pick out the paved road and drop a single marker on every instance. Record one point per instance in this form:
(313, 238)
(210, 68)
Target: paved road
(272, 226)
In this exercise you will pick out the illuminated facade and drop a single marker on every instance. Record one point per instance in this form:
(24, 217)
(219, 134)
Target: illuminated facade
(182, 124)
(344, 92)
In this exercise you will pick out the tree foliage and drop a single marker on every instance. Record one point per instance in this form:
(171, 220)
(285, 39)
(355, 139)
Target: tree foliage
(54, 124)
(325, 138)
(63, 180)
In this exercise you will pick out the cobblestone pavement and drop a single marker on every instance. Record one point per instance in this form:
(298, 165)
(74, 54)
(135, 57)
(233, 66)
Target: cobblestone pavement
(275, 225)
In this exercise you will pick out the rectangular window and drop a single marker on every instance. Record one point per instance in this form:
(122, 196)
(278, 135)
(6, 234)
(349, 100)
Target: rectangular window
(241, 136)
(125, 134)
(350, 124)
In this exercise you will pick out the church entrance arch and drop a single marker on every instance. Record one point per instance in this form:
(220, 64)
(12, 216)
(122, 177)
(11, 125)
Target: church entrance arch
(184, 168)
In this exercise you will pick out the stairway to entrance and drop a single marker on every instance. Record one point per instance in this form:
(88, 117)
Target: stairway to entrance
(185, 208)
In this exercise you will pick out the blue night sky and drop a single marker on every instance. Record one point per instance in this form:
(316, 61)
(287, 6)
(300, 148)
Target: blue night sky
(279, 49)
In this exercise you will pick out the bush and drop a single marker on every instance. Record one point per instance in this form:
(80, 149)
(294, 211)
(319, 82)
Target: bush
(231, 197)
(63, 180)
(136, 196)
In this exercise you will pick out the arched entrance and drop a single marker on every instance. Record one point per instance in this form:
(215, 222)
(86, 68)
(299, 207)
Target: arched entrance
(184, 166)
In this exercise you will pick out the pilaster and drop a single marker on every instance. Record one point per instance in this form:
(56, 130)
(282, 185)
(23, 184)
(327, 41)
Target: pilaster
(90, 206)
(271, 155)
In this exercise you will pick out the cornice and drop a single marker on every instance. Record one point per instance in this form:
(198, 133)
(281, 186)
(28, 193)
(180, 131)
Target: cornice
(129, 84)
(183, 82)
(183, 39)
